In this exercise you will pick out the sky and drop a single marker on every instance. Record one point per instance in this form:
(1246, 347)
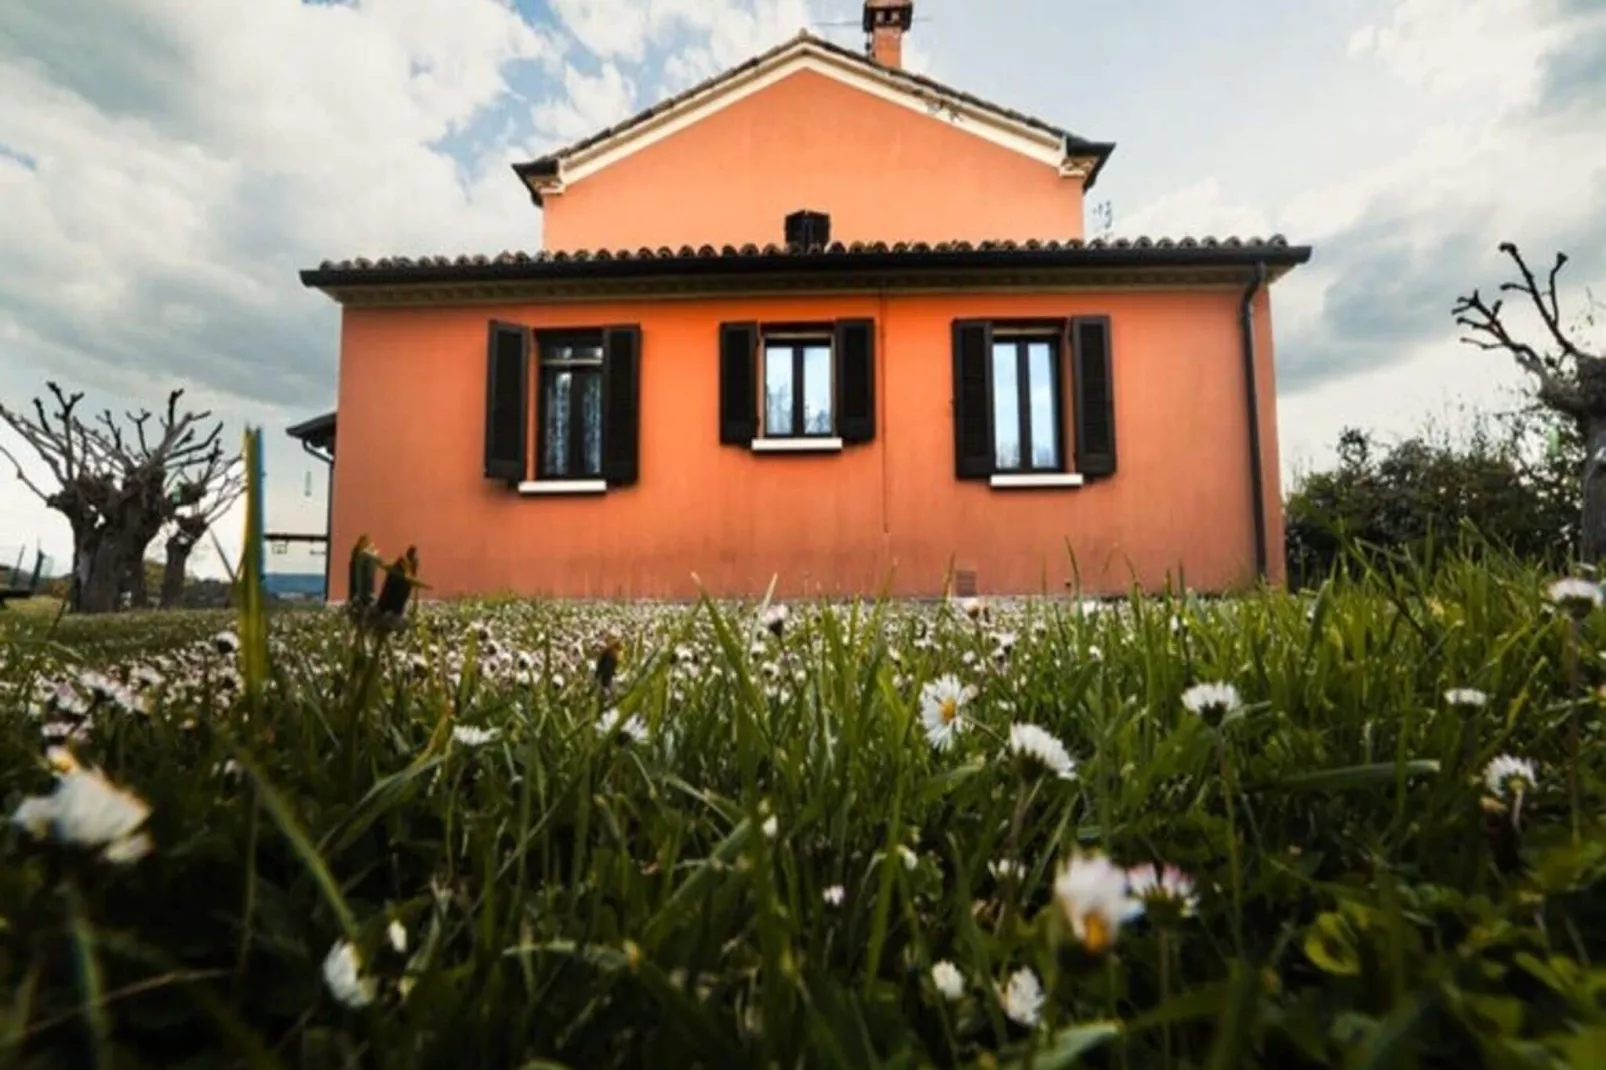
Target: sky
(166, 168)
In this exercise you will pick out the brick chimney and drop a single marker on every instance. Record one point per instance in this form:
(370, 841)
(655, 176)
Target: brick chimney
(885, 23)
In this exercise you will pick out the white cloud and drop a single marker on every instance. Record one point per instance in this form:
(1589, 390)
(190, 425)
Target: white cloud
(589, 104)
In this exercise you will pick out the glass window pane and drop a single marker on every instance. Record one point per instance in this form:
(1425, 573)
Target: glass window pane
(588, 410)
(778, 391)
(555, 415)
(1006, 406)
(1045, 425)
(817, 390)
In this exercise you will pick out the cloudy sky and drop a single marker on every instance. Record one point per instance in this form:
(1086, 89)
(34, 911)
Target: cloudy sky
(167, 166)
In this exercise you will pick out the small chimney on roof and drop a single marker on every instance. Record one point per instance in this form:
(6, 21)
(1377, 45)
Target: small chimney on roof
(885, 23)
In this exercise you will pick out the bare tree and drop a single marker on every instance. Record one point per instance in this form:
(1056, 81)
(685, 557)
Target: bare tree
(221, 484)
(1569, 379)
(118, 484)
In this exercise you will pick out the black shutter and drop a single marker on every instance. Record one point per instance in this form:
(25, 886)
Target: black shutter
(855, 380)
(738, 383)
(507, 383)
(621, 405)
(973, 410)
(1095, 396)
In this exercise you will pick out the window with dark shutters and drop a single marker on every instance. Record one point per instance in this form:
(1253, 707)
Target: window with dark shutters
(506, 401)
(973, 436)
(1095, 396)
(738, 383)
(855, 400)
(621, 405)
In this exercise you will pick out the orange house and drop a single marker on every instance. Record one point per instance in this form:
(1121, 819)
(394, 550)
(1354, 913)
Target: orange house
(819, 320)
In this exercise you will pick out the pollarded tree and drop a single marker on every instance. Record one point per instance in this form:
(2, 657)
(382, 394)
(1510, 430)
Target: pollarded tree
(1569, 379)
(219, 486)
(117, 483)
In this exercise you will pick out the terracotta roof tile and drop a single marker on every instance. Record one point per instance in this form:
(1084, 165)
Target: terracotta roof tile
(773, 252)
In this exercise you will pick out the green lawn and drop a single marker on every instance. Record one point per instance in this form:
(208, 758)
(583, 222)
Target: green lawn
(450, 846)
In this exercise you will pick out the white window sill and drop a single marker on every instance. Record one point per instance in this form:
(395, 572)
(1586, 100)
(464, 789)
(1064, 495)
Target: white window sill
(564, 486)
(797, 445)
(1026, 480)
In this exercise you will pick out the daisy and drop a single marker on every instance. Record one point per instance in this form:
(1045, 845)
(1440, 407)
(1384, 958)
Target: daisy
(775, 619)
(87, 810)
(396, 933)
(1575, 595)
(940, 703)
(909, 858)
(948, 981)
(1216, 703)
(771, 827)
(1507, 775)
(971, 607)
(1470, 697)
(1006, 869)
(1036, 745)
(1022, 998)
(834, 895)
(342, 972)
(471, 736)
(633, 727)
(226, 642)
(1168, 890)
(1092, 893)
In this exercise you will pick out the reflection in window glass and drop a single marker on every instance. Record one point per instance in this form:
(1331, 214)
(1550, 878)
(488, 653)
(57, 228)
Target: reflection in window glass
(1006, 406)
(817, 390)
(778, 391)
(588, 404)
(1045, 437)
(555, 447)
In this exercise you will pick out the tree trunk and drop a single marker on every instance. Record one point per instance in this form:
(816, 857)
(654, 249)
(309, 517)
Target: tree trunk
(105, 576)
(135, 584)
(1592, 529)
(178, 560)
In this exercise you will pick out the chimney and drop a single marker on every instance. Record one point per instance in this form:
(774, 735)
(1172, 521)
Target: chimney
(885, 23)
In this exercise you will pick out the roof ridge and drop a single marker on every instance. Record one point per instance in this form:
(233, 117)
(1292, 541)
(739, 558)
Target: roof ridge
(547, 164)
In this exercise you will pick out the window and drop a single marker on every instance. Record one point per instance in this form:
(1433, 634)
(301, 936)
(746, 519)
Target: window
(585, 405)
(1027, 430)
(798, 389)
(570, 406)
(1033, 401)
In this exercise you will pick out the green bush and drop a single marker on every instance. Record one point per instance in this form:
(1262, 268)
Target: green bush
(747, 852)
(1510, 482)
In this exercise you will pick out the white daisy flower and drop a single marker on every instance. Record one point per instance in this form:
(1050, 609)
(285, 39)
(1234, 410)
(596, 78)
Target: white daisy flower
(342, 972)
(909, 859)
(87, 810)
(1092, 894)
(473, 736)
(1469, 697)
(1217, 703)
(1575, 594)
(941, 703)
(948, 981)
(145, 677)
(1022, 998)
(1169, 887)
(633, 727)
(226, 642)
(1006, 869)
(1036, 745)
(834, 895)
(1506, 775)
(771, 827)
(396, 933)
(971, 607)
(775, 618)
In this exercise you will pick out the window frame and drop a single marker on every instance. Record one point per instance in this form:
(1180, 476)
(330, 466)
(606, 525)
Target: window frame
(1019, 334)
(797, 337)
(546, 340)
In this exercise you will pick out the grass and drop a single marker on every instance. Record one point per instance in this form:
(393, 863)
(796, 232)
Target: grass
(664, 893)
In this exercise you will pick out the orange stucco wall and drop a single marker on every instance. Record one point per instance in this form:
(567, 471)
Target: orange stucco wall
(882, 171)
(409, 463)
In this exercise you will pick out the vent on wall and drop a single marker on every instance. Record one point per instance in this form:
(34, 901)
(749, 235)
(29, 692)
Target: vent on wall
(807, 231)
(965, 583)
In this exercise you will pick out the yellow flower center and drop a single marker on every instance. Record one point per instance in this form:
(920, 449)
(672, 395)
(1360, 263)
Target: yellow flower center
(949, 710)
(1096, 934)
